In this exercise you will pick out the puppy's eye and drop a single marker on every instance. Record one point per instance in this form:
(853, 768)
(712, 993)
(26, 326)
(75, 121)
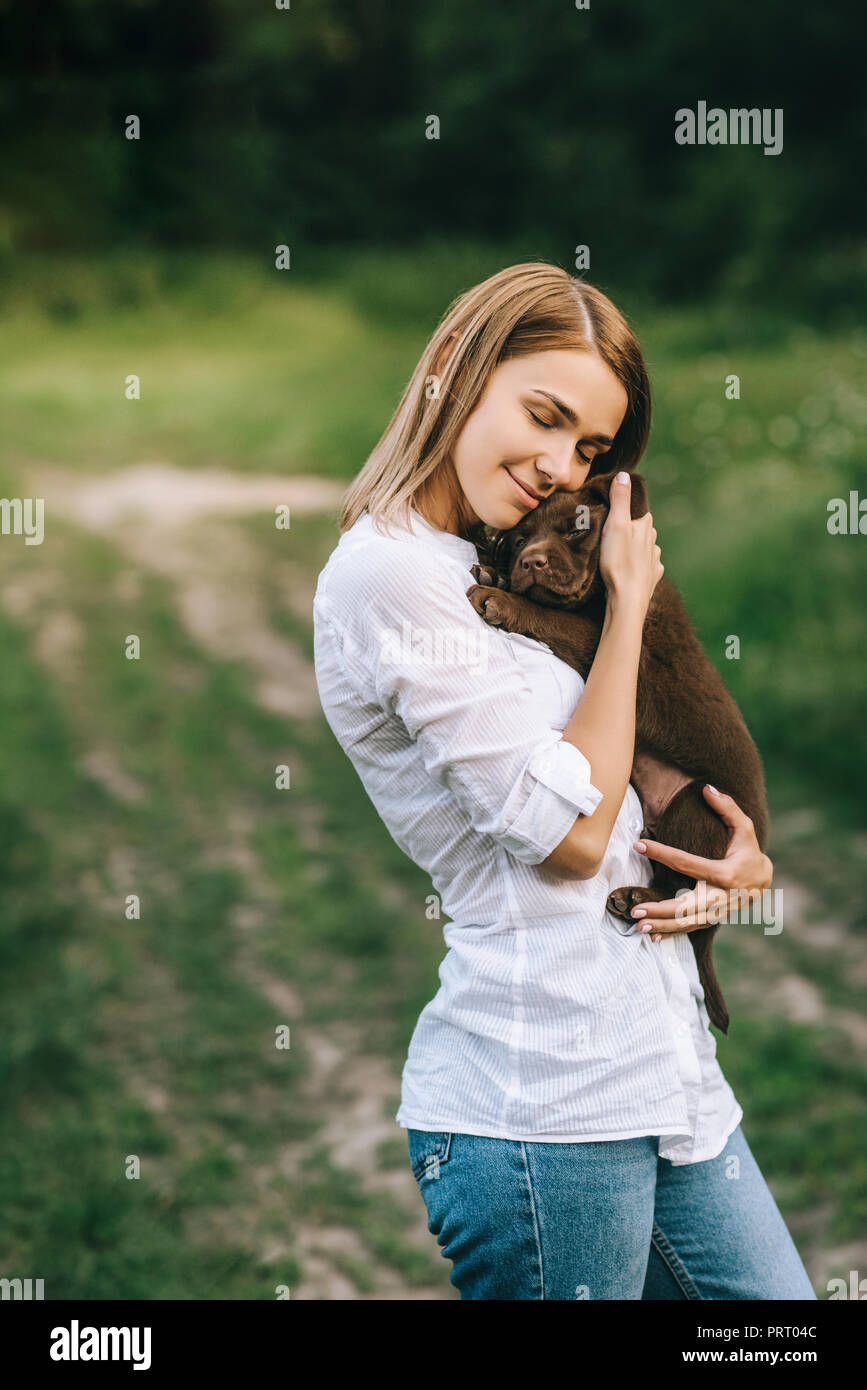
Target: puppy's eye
(517, 542)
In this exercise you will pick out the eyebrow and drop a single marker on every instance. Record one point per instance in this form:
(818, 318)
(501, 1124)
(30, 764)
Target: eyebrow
(569, 414)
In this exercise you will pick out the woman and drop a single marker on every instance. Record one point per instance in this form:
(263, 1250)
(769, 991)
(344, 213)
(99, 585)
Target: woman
(568, 1123)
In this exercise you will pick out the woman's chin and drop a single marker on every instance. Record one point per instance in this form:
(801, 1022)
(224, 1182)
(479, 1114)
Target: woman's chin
(498, 515)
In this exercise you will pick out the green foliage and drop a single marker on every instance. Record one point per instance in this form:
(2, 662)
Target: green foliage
(308, 127)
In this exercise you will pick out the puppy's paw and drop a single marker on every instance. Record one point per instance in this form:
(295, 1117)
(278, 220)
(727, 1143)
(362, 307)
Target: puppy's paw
(494, 605)
(623, 900)
(486, 576)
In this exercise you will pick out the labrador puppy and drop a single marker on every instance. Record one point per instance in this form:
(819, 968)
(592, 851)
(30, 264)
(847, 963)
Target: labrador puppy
(542, 579)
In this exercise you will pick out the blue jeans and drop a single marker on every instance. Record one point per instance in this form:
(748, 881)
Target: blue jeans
(606, 1219)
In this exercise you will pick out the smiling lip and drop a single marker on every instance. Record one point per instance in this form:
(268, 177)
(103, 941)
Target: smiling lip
(525, 492)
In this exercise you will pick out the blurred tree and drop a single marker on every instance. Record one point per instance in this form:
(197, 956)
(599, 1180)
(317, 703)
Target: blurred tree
(308, 125)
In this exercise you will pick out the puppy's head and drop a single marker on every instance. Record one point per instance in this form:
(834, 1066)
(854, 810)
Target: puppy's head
(552, 555)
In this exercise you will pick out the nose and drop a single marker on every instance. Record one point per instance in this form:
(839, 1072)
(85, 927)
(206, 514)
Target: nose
(533, 561)
(558, 467)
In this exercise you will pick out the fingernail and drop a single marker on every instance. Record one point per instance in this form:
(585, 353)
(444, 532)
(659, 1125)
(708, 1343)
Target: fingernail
(711, 789)
(622, 477)
(639, 912)
(639, 845)
(644, 926)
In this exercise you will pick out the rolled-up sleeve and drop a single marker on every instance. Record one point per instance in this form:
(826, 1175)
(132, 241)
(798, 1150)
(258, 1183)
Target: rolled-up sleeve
(417, 646)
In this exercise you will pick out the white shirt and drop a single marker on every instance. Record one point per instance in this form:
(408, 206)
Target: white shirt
(554, 1021)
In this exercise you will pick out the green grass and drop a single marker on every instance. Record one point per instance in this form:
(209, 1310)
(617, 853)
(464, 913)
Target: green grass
(148, 1037)
(802, 1094)
(95, 1003)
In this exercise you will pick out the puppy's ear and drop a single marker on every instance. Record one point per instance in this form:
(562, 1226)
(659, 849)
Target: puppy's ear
(639, 505)
(498, 548)
(600, 487)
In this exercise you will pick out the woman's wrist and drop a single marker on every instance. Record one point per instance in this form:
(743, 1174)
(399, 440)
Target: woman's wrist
(624, 608)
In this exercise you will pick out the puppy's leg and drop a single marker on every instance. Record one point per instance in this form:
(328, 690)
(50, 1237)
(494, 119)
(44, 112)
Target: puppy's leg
(689, 824)
(573, 637)
(488, 577)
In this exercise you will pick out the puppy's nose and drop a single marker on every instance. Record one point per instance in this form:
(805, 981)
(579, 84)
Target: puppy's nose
(533, 562)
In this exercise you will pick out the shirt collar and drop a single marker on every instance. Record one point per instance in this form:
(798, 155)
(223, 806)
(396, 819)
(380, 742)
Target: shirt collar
(462, 549)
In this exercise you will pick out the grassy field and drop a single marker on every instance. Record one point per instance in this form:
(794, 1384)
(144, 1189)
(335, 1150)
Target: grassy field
(152, 1037)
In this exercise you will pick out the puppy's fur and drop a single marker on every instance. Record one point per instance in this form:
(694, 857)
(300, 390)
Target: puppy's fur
(542, 579)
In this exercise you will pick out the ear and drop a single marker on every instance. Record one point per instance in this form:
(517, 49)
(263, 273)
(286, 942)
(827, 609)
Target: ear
(445, 353)
(600, 487)
(498, 548)
(639, 505)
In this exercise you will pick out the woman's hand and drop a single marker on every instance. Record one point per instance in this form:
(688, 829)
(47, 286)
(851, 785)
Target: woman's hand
(745, 869)
(629, 558)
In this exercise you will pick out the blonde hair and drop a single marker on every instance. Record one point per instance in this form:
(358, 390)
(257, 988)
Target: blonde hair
(526, 308)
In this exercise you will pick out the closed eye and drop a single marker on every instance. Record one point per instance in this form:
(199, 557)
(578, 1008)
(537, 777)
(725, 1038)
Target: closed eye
(549, 425)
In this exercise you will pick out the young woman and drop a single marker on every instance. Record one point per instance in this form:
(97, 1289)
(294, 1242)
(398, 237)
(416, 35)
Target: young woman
(568, 1123)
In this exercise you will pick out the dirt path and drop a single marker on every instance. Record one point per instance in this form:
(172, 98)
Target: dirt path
(179, 525)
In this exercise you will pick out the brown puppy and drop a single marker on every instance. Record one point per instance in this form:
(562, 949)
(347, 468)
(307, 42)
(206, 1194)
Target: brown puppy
(542, 579)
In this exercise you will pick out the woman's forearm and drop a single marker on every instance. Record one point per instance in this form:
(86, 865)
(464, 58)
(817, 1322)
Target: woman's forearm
(603, 729)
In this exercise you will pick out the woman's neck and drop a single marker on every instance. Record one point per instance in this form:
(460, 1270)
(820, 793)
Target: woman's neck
(435, 502)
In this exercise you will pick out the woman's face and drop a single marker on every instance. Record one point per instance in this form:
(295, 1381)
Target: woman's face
(520, 445)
